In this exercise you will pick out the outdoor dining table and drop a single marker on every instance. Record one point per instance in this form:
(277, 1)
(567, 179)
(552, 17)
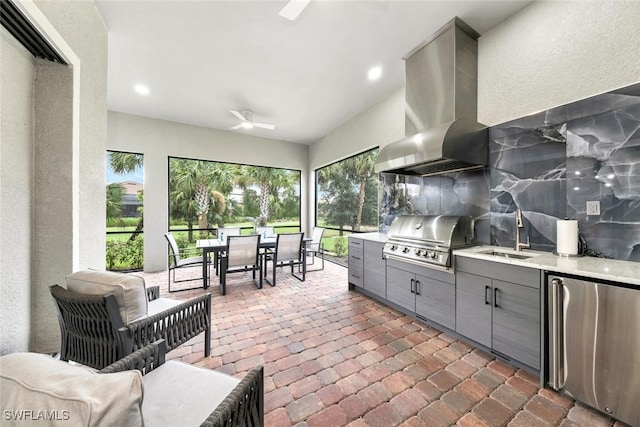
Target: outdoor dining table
(216, 246)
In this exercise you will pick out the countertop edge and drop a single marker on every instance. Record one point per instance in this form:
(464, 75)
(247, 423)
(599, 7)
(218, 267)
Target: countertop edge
(627, 272)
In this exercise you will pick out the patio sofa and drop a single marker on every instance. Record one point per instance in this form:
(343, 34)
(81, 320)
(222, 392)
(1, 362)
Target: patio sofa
(105, 316)
(140, 389)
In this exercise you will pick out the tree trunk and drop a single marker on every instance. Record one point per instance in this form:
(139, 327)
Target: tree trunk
(190, 226)
(361, 194)
(138, 228)
(264, 204)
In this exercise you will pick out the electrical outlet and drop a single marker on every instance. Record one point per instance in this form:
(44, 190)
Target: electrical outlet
(593, 208)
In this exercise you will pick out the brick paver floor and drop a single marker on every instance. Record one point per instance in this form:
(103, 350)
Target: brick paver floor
(334, 357)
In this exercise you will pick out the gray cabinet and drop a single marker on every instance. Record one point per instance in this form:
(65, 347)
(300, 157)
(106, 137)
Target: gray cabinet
(498, 306)
(356, 265)
(428, 293)
(374, 268)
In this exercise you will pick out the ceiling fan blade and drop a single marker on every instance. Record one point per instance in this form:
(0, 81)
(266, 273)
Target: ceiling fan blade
(264, 125)
(238, 115)
(237, 126)
(292, 9)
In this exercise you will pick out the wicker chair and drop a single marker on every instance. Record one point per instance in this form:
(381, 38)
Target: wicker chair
(288, 251)
(243, 406)
(242, 255)
(93, 332)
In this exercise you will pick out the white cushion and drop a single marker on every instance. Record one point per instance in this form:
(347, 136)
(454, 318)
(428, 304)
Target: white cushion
(46, 391)
(129, 290)
(159, 305)
(178, 394)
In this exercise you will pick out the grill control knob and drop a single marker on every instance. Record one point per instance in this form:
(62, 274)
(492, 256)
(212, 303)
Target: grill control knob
(433, 255)
(405, 250)
(418, 252)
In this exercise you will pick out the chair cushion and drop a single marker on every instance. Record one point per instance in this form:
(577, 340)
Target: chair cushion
(37, 387)
(178, 394)
(159, 305)
(129, 290)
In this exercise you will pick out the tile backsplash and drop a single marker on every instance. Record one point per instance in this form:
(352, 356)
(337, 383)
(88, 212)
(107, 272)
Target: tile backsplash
(549, 165)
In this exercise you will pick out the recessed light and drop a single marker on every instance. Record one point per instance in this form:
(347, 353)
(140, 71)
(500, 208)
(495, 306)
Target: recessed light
(141, 89)
(608, 184)
(374, 73)
(576, 188)
(577, 173)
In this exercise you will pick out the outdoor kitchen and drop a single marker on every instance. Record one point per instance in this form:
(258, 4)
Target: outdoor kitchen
(473, 236)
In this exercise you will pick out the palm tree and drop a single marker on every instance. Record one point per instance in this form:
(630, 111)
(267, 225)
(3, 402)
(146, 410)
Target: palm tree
(269, 181)
(122, 163)
(361, 168)
(115, 193)
(197, 186)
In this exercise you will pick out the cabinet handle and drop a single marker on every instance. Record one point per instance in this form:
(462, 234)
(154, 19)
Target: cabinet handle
(486, 298)
(412, 284)
(417, 287)
(495, 297)
(355, 257)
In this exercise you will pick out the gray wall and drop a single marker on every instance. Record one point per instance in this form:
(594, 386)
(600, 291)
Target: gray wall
(53, 144)
(556, 52)
(158, 140)
(16, 193)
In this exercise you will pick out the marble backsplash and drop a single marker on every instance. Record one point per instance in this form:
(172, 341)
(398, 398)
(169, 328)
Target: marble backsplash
(548, 165)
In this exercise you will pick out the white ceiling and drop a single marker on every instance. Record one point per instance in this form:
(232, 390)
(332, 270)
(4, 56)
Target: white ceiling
(201, 59)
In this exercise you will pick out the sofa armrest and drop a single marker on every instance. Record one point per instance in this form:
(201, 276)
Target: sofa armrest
(144, 359)
(153, 292)
(176, 325)
(244, 405)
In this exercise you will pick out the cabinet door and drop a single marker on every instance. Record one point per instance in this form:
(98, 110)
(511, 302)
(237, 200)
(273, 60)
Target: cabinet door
(473, 307)
(400, 286)
(355, 262)
(516, 322)
(374, 268)
(436, 301)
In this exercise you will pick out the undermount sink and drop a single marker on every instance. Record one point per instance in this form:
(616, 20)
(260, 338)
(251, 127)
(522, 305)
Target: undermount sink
(510, 255)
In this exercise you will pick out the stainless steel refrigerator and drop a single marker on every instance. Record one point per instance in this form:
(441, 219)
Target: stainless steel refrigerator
(594, 345)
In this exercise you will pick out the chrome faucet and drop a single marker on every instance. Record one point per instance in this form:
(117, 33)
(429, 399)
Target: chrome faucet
(519, 225)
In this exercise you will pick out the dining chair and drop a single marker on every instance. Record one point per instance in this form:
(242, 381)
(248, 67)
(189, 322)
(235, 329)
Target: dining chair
(265, 232)
(177, 261)
(288, 251)
(222, 233)
(241, 255)
(315, 248)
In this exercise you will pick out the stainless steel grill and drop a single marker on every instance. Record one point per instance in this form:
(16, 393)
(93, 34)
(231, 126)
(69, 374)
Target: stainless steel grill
(428, 240)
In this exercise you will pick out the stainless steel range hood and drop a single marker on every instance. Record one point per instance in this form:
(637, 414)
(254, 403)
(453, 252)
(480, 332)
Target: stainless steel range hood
(443, 134)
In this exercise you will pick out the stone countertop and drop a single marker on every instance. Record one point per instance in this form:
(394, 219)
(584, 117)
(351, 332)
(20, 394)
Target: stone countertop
(376, 237)
(590, 267)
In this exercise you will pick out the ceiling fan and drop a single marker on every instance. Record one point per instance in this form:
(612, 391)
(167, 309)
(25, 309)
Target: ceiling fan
(247, 122)
(293, 8)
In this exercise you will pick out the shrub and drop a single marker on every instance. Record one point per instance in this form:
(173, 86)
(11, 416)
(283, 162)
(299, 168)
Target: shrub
(125, 254)
(340, 245)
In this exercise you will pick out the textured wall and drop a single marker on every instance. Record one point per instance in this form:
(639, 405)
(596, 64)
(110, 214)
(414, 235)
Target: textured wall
(16, 106)
(52, 237)
(556, 52)
(157, 140)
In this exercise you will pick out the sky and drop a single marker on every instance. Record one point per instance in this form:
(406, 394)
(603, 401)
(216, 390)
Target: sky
(136, 176)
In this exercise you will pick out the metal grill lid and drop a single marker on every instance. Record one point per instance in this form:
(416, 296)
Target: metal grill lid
(442, 230)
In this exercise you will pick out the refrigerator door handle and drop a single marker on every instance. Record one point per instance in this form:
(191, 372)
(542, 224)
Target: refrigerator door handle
(556, 338)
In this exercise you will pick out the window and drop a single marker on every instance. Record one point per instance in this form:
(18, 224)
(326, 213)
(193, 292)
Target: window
(347, 199)
(205, 195)
(124, 211)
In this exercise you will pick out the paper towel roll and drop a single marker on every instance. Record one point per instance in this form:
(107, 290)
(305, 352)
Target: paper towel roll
(567, 237)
